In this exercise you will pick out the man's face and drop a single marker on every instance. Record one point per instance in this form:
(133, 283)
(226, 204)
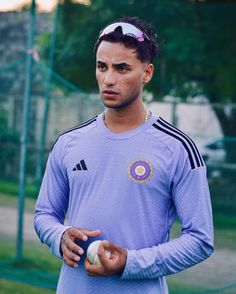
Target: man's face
(120, 74)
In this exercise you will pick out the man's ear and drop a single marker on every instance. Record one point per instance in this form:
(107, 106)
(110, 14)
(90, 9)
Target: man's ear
(148, 73)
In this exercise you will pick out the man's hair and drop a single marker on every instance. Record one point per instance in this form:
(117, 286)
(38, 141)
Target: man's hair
(146, 50)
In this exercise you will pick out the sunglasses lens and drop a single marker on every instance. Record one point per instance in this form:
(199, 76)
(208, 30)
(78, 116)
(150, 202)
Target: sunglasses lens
(127, 30)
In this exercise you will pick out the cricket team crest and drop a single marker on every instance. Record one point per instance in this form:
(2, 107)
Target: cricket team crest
(140, 171)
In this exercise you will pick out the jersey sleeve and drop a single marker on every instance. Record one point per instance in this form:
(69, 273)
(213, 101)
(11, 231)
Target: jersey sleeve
(52, 203)
(191, 199)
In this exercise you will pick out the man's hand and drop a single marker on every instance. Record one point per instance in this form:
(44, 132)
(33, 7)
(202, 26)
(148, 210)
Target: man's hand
(109, 266)
(70, 250)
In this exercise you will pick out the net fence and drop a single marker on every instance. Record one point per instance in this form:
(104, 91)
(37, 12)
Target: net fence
(69, 106)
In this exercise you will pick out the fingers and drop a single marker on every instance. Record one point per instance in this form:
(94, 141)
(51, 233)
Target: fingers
(72, 246)
(116, 262)
(109, 246)
(101, 269)
(103, 255)
(92, 269)
(69, 257)
(89, 233)
(82, 234)
(71, 250)
(109, 265)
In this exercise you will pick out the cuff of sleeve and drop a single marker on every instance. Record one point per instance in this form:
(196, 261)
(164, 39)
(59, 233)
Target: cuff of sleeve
(143, 264)
(56, 245)
(130, 266)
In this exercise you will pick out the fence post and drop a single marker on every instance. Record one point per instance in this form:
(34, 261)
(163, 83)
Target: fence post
(43, 134)
(174, 119)
(24, 135)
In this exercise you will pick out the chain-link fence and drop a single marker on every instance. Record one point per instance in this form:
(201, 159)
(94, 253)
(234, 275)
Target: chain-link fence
(68, 106)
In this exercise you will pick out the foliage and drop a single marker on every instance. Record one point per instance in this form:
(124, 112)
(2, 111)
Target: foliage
(9, 139)
(197, 47)
(196, 40)
(12, 188)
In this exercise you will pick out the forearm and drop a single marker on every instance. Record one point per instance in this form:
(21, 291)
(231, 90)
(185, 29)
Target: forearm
(165, 259)
(49, 230)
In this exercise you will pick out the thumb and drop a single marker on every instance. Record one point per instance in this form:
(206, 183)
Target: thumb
(110, 246)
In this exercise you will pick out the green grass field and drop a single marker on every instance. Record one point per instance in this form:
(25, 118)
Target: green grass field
(40, 269)
(7, 287)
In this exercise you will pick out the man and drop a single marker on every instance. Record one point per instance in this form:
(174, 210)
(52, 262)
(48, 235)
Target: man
(123, 177)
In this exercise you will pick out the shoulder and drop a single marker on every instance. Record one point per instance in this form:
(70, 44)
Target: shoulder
(178, 142)
(69, 134)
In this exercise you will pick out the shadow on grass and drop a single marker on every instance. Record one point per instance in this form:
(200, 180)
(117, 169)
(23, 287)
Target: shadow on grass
(28, 272)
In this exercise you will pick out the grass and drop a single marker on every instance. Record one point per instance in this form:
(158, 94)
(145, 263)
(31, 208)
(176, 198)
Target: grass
(7, 287)
(180, 288)
(31, 275)
(225, 232)
(12, 188)
(36, 255)
(38, 268)
(41, 272)
(224, 221)
(44, 270)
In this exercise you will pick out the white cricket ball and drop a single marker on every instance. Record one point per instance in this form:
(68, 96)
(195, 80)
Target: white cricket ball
(92, 252)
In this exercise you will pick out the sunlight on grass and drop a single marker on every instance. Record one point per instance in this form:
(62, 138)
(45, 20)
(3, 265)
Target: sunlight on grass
(8, 287)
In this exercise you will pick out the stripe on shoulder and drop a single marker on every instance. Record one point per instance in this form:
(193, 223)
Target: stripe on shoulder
(80, 126)
(193, 153)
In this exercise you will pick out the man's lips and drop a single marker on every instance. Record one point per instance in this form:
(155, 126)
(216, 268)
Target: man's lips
(109, 94)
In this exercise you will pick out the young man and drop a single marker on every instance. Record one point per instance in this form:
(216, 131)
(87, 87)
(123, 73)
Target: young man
(123, 177)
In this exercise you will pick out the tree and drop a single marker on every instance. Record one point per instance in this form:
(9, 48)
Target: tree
(9, 139)
(197, 48)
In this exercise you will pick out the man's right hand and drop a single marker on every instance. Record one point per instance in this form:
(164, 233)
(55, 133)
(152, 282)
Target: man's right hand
(70, 250)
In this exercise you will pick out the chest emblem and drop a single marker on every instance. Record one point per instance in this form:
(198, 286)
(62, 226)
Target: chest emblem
(140, 171)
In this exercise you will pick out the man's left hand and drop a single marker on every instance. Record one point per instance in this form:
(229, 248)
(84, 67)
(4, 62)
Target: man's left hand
(114, 264)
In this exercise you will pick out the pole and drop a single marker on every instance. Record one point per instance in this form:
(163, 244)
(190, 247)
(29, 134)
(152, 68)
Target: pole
(174, 113)
(47, 98)
(24, 135)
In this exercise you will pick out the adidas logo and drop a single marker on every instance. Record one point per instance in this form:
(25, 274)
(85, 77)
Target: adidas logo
(80, 166)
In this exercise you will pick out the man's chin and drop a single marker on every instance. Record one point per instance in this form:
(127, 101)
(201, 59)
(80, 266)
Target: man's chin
(119, 104)
(112, 105)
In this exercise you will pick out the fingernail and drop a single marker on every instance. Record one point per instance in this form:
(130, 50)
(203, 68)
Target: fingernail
(77, 258)
(85, 238)
(75, 265)
(81, 251)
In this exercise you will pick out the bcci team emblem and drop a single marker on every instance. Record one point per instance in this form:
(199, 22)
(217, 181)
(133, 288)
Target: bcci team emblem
(140, 171)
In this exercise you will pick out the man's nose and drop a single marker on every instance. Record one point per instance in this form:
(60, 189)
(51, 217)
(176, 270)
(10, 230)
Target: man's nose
(110, 78)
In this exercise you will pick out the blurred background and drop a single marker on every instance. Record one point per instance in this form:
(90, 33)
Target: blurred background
(47, 85)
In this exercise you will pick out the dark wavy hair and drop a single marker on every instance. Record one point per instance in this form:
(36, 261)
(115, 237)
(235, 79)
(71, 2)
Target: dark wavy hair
(146, 50)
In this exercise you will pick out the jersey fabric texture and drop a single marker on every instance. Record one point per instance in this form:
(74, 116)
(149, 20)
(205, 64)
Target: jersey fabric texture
(131, 186)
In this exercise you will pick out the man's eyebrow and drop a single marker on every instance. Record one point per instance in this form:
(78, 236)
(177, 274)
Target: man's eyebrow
(101, 62)
(121, 64)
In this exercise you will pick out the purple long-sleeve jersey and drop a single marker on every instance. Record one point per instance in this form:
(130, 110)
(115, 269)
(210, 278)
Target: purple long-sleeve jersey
(131, 186)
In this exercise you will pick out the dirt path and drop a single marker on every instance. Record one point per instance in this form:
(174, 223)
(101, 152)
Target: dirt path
(8, 223)
(216, 272)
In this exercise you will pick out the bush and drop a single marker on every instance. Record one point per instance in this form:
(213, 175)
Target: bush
(12, 188)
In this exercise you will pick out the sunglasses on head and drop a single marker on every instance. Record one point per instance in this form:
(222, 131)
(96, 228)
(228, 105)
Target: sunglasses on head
(127, 30)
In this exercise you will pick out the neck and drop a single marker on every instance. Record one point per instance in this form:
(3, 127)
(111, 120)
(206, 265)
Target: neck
(122, 120)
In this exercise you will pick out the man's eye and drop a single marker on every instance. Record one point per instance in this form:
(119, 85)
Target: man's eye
(101, 67)
(123, 69)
